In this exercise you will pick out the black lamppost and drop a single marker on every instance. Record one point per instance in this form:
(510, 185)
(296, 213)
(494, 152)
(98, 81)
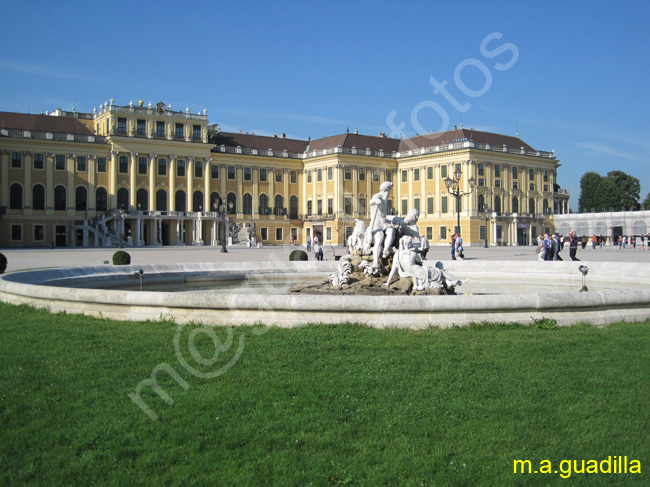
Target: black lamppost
(486, 209)
(454, 189)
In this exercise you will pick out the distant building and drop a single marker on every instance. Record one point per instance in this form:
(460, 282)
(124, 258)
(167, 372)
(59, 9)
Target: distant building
(149, 175)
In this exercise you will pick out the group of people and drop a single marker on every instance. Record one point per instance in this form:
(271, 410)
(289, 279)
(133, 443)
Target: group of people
(457, 247)
(631, 242)
(549, 247)
(318, 249)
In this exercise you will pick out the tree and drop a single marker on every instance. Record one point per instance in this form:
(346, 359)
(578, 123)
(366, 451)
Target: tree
(628, 188)
(646, 203)
(616, 191)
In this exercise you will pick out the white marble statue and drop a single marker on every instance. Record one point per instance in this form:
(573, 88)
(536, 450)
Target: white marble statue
(381, 229)
(355, 241)
(341, 277)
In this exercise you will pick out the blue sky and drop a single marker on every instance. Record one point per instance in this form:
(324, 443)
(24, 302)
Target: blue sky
(577, 84)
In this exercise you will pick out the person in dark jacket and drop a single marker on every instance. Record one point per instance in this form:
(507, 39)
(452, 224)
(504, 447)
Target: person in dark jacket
(573, 246)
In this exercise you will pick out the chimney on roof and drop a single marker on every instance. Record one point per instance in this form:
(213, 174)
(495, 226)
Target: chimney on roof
(356, 131)
(283, 136)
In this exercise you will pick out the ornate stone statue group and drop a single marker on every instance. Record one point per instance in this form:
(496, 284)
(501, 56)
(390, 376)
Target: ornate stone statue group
(372, 253)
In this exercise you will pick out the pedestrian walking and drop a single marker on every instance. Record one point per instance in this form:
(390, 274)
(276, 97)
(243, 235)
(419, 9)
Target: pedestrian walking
(424, 245)
(459, 246)
(453, 247)
(308, 244)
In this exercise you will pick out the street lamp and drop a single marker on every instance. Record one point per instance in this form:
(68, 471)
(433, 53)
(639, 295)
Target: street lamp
(453, 187)
(486, 209)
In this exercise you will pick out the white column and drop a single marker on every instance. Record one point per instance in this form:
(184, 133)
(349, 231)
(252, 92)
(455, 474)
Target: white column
(132, 169)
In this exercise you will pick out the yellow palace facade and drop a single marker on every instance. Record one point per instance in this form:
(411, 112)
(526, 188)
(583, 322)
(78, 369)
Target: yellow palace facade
(139, 174)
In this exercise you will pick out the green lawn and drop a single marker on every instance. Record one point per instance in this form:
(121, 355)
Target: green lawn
(317, 405)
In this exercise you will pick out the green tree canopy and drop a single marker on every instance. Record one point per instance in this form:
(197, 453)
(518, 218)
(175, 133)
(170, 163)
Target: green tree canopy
(615, 191)
(646, 203)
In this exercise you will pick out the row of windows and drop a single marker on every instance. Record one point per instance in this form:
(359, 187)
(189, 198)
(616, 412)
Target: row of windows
(160, 129)
(347, 174)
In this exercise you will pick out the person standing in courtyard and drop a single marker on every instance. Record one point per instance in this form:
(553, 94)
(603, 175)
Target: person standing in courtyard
(424, 245)
(573, 246)
(453, 247)
(459, 246)
(308, 244)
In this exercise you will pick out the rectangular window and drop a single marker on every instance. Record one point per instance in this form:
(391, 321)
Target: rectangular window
(405, 207)
(59, 162)
(443, 172)
(362, 174)
(328, 234)
(330, 206)
(481, 181)
(309, 207)
(248, 174)
(39, 233)
(389, 175)
(500, 232)
(515, 185)
(430, 205)
(141, 127)
(263, 175)
(348, 206)
(82, 164)
(142, 165)
(457, 167)
(515, 174)
(497, 183)
(38, 161)
(162, 167)
(443, 205)
(124, 164)
(196, 132)
(429, 172)
(531, 174)
(404, 176)
(16, 233)
(330, 173)
(294, 177)
(121, 126)
(443, 233)
(545, 176)
(416, 204)
(278, 175)
(481, 232)
(16, 160)
(101, 164)
(319, 175)
(416, 174)
(278, 234)
(319, 207)
(497, 171)
(375, 175)
(362, 206)
(178, 134)
(481, 169)
(264, 233)
(180, 168)
(214, 171)
(531, 186)
(309, 176)
(198, 169)
(160, 129)
(546, 187)
(231, 172)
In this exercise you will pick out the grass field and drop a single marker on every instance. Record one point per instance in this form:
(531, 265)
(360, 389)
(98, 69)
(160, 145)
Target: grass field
(317, 405)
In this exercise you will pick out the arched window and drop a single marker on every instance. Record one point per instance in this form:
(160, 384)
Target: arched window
(264, 204)
(101, 199)
(161, 200)
(197, 201)
(497, 204)
(279, 204)
(215, 199)
(16, 197)
(180, 201)
(232, 199)
(59, 198)
(248, 204)
(142, 199)
(38, 197)
(515, 204)
(81, 199)
(481, 202)
(293, 207)
(531, 206)
(122, 199)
